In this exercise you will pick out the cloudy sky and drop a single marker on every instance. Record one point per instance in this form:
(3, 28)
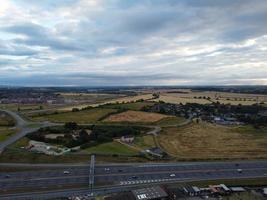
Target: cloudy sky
(133, 42)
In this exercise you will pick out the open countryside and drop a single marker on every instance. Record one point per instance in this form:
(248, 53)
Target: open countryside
(133, 100)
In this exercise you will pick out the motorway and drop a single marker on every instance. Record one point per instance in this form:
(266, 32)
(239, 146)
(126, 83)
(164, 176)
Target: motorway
(124, 176)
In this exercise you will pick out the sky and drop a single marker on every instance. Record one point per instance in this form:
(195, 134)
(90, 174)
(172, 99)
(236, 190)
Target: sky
(133, 42)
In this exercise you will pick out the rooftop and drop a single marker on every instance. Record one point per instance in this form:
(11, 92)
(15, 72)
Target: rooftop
(149, 193)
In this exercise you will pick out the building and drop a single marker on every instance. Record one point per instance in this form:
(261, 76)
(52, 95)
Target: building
(191, 191)
(151, 193)
(127, 138)
(237, 189)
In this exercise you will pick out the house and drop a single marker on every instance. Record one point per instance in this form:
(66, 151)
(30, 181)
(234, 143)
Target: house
(237, 189)
(192, 191)
(127, 138)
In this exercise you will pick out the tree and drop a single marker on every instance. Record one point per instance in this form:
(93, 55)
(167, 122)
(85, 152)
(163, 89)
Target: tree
(83, 136)
(71, 125)
(75, 109)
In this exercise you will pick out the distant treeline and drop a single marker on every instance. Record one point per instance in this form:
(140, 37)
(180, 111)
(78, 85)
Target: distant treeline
(235, 89)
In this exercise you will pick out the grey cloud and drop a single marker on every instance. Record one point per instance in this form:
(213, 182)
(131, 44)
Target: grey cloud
(150, 41)
(40, 36)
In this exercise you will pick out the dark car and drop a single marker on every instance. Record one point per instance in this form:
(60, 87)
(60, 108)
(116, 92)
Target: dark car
(7, 176)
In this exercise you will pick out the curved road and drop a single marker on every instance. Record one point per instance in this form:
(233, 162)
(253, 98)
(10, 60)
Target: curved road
(23, 127)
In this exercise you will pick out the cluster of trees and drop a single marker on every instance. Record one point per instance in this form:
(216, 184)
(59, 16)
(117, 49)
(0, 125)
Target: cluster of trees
(98, 134)
(6, 120)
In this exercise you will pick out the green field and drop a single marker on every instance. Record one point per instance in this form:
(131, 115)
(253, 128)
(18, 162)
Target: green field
(6, 132)
(129, 106)
(23, 107)
(170, 121)
(6, 120)
(112, 148)
(144, 142)
(23, 142)
(84, 116)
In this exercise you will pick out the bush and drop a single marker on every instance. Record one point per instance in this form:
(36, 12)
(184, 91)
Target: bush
(75, 109)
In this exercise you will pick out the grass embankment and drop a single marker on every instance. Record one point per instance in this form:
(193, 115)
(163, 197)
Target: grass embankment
(107, 152)
(84, 116)
(111, 148)
(205, 141)
(6, 132)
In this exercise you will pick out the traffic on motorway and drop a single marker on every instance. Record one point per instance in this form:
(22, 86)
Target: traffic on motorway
(125, 175)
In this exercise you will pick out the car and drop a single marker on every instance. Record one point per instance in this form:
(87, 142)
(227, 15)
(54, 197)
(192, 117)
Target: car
(120, 170)
(66, 172)
(134, 177)
(7, 176)
(172, 175)
(107, 169)
(239, 170)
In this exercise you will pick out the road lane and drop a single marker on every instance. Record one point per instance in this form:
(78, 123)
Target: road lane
(125, 175)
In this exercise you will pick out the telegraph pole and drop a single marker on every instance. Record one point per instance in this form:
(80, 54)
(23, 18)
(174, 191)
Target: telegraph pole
(91, 174)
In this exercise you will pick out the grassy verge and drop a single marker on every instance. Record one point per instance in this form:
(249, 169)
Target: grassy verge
(144, 142)
(84, 116)
(111, 148)
(6, 132)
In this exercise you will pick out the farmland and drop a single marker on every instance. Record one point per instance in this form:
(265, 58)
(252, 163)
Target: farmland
(116, 100)
(209, 141)
(84, 116)
(129, 106)
(135, 116)
(206, 97)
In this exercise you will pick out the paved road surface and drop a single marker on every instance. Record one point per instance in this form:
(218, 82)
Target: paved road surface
(122, 175)
(24, 128)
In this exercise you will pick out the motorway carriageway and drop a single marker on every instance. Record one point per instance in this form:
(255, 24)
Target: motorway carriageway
(122, 175)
